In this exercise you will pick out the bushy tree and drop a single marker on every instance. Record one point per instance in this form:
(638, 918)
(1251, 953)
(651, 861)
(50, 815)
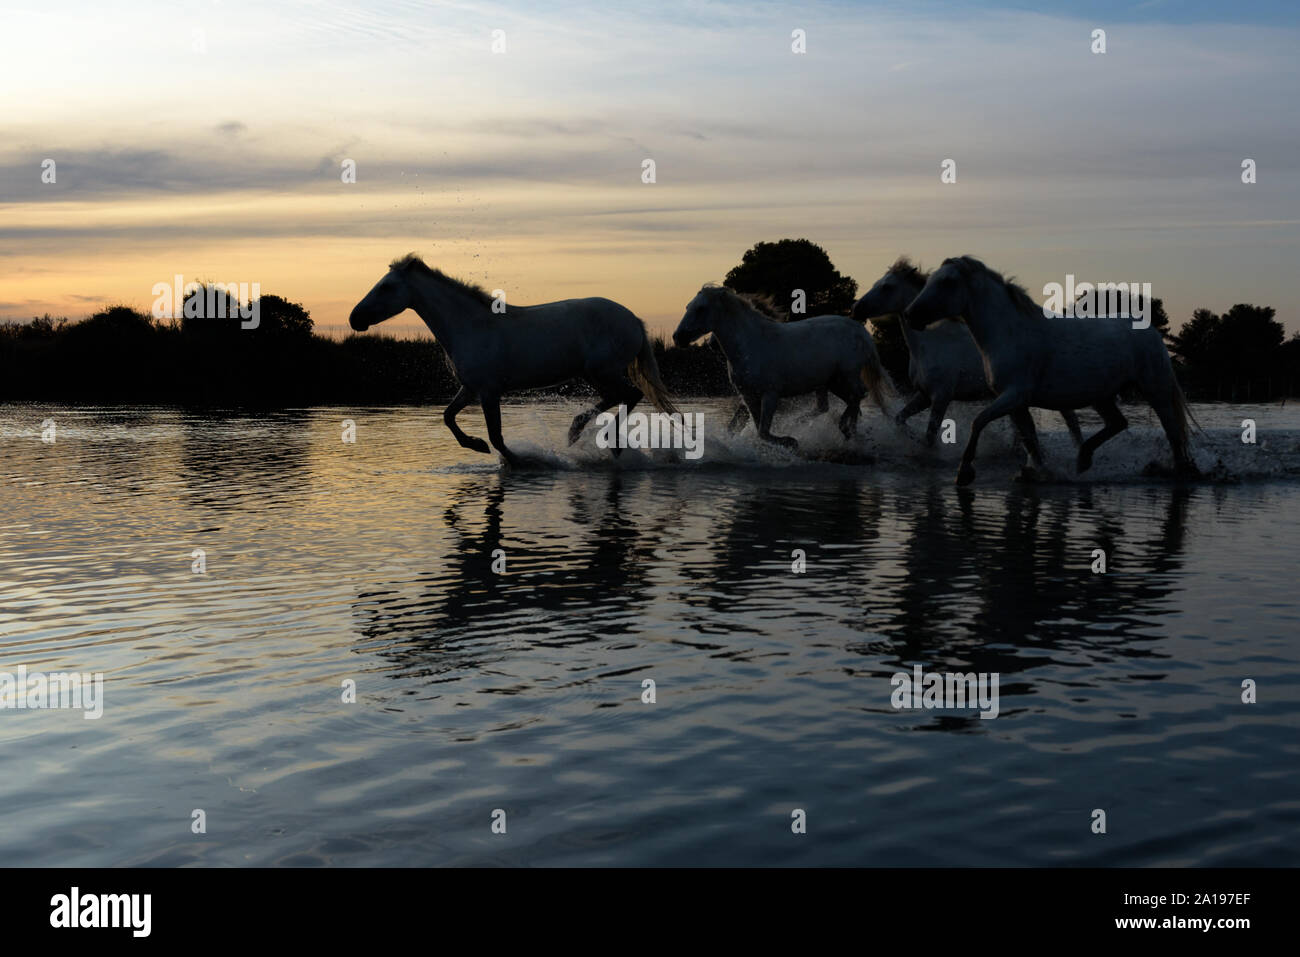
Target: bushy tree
(777, 269)
(275, 314)
(1241, 346)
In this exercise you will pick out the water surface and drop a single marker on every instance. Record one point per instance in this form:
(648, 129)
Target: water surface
(522, 691)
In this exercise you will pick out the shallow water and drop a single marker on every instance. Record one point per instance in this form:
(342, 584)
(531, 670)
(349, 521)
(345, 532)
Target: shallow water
(522, 691)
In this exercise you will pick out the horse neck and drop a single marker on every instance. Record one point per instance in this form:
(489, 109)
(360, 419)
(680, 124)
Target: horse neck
(732, 326)
(911, 336)
(452, 315)
(993, 317)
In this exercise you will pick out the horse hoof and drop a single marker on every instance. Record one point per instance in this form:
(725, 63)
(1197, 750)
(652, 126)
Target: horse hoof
(1083, 465)
(478, 445)
(965, 475)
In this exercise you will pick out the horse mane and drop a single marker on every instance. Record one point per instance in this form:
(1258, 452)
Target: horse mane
(761, 303)
(906, 269)
(967, 265)
(411, 262)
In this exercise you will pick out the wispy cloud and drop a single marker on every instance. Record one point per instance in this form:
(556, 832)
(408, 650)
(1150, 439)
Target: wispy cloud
(217, 131)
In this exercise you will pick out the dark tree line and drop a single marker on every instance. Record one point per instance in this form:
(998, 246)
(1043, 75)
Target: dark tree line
(1240, 356)
(121, 355)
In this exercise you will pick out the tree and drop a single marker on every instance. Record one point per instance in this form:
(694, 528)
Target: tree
(1160, 319)
(275, 314)
(114, 325)
(281, 315)
(1194, 342)
(1249, 339)
(1244, 345)
(778, 269)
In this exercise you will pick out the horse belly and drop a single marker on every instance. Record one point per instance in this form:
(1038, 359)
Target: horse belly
(968, 381)
(537, 368)
(1071, 382)
(798, 376)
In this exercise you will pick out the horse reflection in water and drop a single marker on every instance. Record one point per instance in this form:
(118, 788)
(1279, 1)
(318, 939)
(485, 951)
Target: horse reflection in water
(1009, 588)
(756, 565)
(1001, 583)
(467, 614)
(763, 533)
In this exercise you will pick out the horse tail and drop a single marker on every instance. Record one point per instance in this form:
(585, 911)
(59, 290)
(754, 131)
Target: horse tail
(875, 376)
(644, 373)
(1183, 409)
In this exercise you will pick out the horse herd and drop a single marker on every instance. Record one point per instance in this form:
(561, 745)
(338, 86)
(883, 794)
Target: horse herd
(971, 333)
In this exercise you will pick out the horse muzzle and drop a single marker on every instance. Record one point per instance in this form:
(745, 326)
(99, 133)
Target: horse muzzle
(357, 323)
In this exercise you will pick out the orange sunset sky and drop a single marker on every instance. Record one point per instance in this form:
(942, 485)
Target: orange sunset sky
(207, 139)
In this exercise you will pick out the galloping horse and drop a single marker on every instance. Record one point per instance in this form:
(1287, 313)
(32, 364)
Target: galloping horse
(945, 364)
(530, 347)
(769, 360)
(1052, 362)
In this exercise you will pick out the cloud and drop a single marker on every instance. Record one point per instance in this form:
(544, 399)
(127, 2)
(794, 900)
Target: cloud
(1059, 152)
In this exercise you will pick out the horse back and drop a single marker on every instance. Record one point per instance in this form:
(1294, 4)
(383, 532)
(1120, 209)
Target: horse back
(552, 342)
(796, 357)
(1091, 356)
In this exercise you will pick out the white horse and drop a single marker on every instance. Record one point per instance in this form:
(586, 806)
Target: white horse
(944, 364)
(769, 360)
(1052, 362)
(529, 347)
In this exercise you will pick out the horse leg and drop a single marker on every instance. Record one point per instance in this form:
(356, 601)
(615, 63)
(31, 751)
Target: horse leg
(917, 403)
(852, 395)
(1072, 423)
(938, 407)
(617, 390)
(738, 418)
(1113, 423)
(1024, 422)
(580, 422)
(766, 412)
(449, 416)
(1004, 404)
(492, 416)
(1176, 431)
(612, 392)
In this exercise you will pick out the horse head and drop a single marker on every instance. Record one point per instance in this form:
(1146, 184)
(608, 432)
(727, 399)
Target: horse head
(944, 295)
(387, 298)
(892, 293)
(698, 320)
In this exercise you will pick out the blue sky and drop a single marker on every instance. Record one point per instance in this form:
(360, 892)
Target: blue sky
(1143, 11)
